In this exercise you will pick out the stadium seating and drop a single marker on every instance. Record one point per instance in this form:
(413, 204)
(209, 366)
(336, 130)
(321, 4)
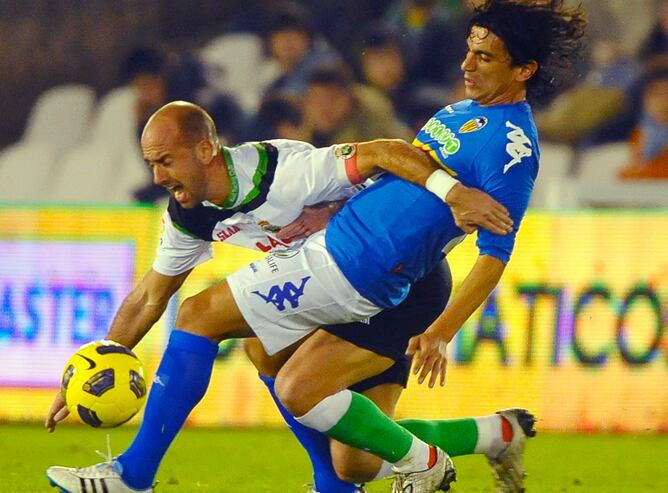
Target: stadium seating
(60, 117)
(114, 119)
(235, 65)
(85, 174)
(26, 172)
(553, 188)
(99, 173)
(598, 186)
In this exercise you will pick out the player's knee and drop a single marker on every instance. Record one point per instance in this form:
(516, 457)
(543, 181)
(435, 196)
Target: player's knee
(190, 311)
(295, 394)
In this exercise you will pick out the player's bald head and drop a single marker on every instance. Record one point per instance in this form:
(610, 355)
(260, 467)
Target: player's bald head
(182, 121)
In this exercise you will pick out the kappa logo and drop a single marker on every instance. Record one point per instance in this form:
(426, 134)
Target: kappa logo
(289, 292)
(518, 147)
(437, 130)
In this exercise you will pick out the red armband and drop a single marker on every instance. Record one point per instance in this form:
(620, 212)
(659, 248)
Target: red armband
(348, 152)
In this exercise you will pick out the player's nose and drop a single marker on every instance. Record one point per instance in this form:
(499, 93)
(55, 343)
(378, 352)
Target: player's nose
(160, 177)
(468, 64)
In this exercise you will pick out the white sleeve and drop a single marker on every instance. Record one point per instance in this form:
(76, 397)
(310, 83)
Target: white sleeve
(311, 175)
(179, 252)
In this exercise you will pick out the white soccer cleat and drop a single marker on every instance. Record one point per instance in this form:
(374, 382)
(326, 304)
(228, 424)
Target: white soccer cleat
(100, 478)
(507, 466)
(436, 478)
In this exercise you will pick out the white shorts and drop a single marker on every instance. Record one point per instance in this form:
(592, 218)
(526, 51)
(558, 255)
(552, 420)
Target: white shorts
(288, 294)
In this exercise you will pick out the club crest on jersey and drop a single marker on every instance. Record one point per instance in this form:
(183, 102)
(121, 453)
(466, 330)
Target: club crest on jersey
(345, 151)
(278, 295)
(268, 227)
(473, 125)
(438, 131)
(287, 253)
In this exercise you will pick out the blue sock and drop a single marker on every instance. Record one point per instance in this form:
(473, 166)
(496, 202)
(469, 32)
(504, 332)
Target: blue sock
(317, 448)
(179, 384)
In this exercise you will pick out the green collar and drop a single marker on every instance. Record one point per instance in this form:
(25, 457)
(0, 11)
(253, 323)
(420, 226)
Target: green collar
(233, 194)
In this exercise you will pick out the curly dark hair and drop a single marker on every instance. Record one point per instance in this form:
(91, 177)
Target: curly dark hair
(544, 31)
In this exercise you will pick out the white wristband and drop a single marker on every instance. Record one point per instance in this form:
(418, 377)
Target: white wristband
(440, 183)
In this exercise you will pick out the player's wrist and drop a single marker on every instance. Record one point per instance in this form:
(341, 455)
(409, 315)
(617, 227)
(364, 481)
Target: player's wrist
(440, 183)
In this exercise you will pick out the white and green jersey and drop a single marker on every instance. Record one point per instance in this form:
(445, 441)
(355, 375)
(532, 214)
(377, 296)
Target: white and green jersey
(270, 183)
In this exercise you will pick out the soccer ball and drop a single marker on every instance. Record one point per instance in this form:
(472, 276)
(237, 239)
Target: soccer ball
(103, 384)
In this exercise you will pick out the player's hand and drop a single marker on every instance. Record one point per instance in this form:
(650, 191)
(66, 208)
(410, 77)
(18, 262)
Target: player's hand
(429, 356)
(311, 220)
(473, 208)
(57, 413)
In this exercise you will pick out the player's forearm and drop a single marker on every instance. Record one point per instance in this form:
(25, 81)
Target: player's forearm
(394, 156)
(475, 289)
(143, 307)
(134, 319)
(405, 161)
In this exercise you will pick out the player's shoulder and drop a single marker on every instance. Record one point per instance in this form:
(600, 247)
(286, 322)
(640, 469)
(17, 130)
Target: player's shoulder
(515, 138)
(499, 123)
(199, 221)
(468, 120)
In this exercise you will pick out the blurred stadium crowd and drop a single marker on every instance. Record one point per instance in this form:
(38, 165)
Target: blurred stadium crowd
(330, 71)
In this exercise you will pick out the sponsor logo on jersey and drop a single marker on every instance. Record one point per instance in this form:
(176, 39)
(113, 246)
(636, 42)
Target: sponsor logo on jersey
(473, 125)
(271, 244)
(278, 295)
(518, 146)
(438, 131)
(271, 263)
(227, 232)
(345, 151)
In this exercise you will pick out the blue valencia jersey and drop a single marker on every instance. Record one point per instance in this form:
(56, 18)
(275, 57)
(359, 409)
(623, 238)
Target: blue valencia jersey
(394, 232)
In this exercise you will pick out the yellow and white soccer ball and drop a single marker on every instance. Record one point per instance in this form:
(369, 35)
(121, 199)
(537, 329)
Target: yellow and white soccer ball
(103, 384)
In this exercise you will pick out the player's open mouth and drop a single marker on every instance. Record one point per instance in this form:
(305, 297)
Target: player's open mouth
(177, 191)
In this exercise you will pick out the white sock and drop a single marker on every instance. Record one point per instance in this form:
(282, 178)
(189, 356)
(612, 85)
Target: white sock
(417, 458)
(490, 435)
(385, 471)
(326, 413)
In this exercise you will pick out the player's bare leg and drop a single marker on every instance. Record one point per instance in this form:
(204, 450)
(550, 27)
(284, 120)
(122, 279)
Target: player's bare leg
(357, 466)
(179, 384)
(321, 366)
(313, 387)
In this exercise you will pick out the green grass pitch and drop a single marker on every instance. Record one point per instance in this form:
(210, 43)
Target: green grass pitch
(269, 460)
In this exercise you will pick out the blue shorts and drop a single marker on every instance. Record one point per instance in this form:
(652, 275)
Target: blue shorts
(388, 333)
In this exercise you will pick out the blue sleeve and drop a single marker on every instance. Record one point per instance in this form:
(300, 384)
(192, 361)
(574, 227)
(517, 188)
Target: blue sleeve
(510, 180)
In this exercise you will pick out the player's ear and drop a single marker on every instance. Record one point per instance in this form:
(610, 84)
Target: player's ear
(205, 151)
(526, 71)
